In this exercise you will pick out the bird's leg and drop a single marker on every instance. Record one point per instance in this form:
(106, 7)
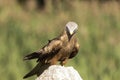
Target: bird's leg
(62, 63)
(53, 61)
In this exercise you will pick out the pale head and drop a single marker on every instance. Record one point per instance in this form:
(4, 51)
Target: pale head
(71, 27)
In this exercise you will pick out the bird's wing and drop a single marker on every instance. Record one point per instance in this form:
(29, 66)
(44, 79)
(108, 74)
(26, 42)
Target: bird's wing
(52, 46)
(50, 49)
(75, 49)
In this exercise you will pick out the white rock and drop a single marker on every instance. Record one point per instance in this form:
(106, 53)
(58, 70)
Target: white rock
(57, 72)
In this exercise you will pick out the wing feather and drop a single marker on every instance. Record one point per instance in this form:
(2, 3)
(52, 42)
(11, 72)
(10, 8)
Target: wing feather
(51, 48)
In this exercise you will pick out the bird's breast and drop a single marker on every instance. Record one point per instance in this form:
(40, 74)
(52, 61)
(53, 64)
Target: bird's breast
(65, 51)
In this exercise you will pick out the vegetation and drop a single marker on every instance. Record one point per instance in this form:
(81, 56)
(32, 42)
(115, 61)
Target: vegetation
(25, 30)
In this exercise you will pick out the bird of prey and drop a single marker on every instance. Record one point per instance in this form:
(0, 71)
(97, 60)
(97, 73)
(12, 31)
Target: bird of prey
(59, 49)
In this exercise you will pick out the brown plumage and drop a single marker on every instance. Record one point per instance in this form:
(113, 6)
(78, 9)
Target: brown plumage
(60, 49)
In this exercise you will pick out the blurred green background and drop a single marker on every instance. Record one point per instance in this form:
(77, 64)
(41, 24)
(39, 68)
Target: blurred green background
(26, 26)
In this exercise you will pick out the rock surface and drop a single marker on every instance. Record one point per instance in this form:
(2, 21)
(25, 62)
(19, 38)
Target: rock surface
(57, 72)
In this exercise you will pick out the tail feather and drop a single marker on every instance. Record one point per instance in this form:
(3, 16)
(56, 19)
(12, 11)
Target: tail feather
(31, 56)
(33, 71)
(38, 70)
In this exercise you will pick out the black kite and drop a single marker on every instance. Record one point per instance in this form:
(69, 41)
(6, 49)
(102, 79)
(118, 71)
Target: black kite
(61, 49)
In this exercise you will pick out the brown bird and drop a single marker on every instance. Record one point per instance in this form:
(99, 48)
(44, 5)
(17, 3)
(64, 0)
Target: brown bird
(61, 49)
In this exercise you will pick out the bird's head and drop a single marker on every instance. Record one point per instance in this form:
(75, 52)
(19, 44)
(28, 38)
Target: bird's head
(71, 28)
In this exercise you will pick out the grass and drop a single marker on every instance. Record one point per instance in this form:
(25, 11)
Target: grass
(22, 32)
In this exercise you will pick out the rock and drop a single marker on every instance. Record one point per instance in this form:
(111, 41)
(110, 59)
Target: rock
(57, 72)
